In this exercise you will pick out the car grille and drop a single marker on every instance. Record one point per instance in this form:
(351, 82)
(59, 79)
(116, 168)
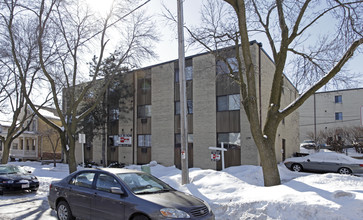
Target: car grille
(200, 211)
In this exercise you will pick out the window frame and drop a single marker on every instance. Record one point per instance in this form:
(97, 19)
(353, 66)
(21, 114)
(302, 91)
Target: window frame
(144, 140)
(338, 99)
(230, 136)
(188, 74)
(338, 116)
(228, 104)
(98, 187)
(189, 107)
(222, 67)
(73, 180)
(144, 111)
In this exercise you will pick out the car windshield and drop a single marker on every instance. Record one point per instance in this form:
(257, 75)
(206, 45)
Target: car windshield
(9, 170)
(142, 183)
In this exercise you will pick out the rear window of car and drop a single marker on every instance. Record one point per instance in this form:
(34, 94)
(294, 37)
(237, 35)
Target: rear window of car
(83, 179)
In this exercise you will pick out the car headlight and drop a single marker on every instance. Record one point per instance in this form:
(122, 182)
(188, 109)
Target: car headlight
(8, 181)
(174, 213)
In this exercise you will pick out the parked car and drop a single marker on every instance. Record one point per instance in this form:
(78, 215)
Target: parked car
(308, 144)
(116, 193)
(325, 162)
(15, 178)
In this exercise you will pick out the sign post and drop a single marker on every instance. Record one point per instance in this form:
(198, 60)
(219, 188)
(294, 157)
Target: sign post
(82, 140)
(361, 115)
(222, 149)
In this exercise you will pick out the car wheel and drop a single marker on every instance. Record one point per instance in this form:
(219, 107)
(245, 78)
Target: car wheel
(296, 167)
(140, 217)
(344, 170)
(64, 211)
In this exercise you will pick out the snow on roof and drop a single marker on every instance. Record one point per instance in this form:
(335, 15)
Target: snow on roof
(48, 114)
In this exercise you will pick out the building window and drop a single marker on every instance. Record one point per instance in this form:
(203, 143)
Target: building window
(338, 116)
(338, 99)
(178, 139)
(33, 144)
(144, 140)
(27, 144)
(189, 107)
(21, 143)
(229, 139)
(145, 84)
(15, 146)
(228, 103)
(34, 126)
(222, 67)
(188, 73)
(114, 114)
(144, 111)
(1, 145)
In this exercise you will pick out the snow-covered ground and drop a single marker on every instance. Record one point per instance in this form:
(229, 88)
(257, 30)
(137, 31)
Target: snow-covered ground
(235, 193)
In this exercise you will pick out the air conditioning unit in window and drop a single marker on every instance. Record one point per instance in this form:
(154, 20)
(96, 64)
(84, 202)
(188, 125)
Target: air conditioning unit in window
(143, 120)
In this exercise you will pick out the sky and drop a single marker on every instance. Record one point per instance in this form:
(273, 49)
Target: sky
(167, 48)
(234, 193)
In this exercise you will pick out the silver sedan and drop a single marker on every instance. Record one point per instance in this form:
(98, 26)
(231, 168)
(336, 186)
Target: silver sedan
(325, 162)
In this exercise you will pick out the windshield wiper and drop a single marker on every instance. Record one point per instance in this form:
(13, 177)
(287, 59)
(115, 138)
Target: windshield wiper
(145, 192)
(163, 190)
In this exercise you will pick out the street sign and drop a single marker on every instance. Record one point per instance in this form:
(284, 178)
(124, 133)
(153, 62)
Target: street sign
(215, 156)
(220, 150)
(183, 155)
(81, 138)
(123, 139)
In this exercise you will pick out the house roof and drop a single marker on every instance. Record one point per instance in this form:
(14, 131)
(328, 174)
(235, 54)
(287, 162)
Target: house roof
(48, 114)
(6, 119)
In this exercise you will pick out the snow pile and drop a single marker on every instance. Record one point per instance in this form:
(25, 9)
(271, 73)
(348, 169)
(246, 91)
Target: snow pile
(235, 193)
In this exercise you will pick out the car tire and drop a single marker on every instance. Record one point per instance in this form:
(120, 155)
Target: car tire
(296, 167)
(140, 217)
(64, 211)
(344, 170)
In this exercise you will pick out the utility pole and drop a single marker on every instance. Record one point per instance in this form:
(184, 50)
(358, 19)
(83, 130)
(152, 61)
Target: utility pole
(183, 101)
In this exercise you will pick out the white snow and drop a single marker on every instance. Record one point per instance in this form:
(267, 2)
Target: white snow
(235, 193)
(48, 114)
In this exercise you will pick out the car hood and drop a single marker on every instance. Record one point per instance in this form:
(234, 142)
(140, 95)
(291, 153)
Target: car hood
(17, 177)
(174, 199)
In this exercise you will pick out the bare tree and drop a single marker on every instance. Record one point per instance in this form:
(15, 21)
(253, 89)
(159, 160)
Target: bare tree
(291, 29)
(17, 45)
(66, 32)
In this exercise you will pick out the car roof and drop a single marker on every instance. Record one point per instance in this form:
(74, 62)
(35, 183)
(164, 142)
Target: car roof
(113, 170)
(120, 170)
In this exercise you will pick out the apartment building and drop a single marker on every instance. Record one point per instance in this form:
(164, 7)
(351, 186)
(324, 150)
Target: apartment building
(151, 131)
(329, 110)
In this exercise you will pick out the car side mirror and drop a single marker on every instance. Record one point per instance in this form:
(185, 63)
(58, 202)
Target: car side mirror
(117, 190)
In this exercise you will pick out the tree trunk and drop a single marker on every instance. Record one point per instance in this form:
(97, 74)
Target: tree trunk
(6, 152)
(270, 170)
(71, 156)
(54, 159)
